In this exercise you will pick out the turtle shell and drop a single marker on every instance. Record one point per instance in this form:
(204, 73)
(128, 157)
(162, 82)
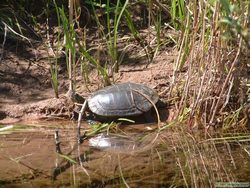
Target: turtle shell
(122, 100)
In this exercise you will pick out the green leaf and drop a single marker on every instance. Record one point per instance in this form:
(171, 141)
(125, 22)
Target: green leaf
(225, 4)
(226, 20)
(125, 119)
(67, 158)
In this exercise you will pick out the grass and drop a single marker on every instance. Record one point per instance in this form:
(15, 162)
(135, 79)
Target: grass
(10, 129)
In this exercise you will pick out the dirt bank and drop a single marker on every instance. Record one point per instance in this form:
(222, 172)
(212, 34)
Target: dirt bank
(25, 81)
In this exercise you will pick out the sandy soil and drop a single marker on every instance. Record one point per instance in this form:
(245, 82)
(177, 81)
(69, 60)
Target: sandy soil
(25, 86)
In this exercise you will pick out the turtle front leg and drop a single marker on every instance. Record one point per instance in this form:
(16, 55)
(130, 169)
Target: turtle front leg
(79, 137)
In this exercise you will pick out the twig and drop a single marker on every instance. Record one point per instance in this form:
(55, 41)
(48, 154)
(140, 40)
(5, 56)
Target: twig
(10, 29)
(81, 163)
(34, 170)
(156, 110)
(79, 137)
(228, 93)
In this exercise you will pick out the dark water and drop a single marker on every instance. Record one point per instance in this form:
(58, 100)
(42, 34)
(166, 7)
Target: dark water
(136, 157)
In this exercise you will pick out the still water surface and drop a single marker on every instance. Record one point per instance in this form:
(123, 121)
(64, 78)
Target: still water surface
(136, 157)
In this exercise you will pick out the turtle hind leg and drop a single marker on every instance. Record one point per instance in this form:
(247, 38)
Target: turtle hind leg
(148, 117)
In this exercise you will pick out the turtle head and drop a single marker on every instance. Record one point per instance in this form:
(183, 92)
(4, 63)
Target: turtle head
(75, 97)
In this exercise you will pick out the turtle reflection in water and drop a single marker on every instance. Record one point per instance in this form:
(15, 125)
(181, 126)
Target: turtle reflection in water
(121, 100)
(106, 141)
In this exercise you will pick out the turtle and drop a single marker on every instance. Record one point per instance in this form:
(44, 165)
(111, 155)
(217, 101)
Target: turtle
(121, 100)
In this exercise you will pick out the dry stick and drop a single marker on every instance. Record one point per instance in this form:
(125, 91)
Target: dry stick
(30, 167)
(157, 113)
(79, 122)
(225, 83)
(76, 146)
(202, 42)
(13, 31)
(8, 28)
(60, 168)
(4, 40)
(81, 163)
(190, 59)
(231, 80)
(23, 164)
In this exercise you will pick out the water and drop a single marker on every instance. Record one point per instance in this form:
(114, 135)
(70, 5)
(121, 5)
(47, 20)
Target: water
(135, 157)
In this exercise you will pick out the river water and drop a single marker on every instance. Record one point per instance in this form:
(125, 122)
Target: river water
(135, 156)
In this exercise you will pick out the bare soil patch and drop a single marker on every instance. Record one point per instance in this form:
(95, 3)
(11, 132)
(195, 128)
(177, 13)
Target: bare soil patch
(25, 81)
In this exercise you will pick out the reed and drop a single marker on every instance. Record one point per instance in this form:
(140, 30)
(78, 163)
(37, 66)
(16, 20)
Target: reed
(178, 13)
(114, 13)
(203, 51)
(137, 36)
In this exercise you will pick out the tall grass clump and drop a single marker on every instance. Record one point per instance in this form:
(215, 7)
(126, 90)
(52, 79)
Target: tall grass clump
(108, 29)
(178, 14)
(211, 46)
(136, 35)
(75, 47)
(70, 47)
(118, 17)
